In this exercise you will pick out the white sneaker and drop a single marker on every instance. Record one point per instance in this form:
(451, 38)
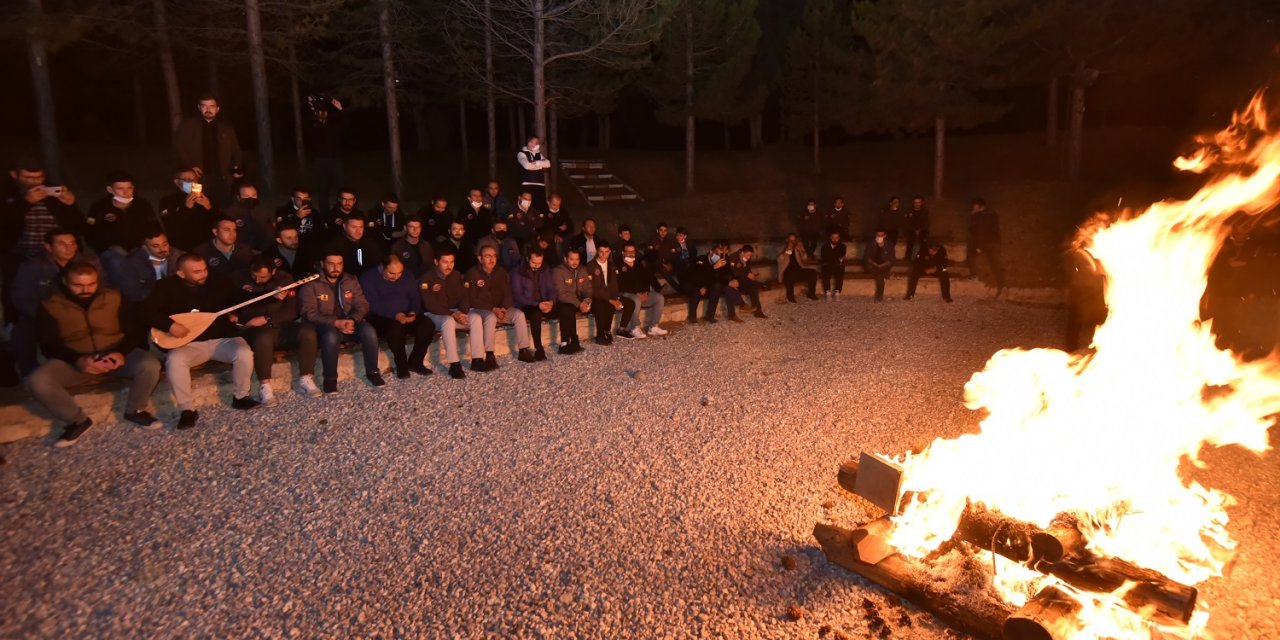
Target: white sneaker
(835, 295)
(267, 397)
(638, 333)
(307, 386)
(655, 330)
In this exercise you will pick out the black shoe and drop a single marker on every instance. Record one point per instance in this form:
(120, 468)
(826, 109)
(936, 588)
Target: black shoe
(477, 364)
(420, 369)
(624, 334)
(244, 404)
(709, 320)
(187, 419)
(330, 386)
(72, 433)
(760, 314)
(376, 380)
(812, 296)
(693, 320)
(948, 299)
(490, 361)
(570, 349)
(539, 355)
(526, 355)
(402, 374)
(143, 419)
(792, 299)
(735, 318)
(456, 372)
(602, 340)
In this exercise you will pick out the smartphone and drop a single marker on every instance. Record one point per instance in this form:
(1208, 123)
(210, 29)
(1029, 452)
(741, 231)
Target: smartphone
(197, 188)
(54, 191)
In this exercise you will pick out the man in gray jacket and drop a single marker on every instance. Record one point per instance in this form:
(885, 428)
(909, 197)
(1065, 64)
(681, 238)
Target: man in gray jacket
(573, 296)
(333, 310)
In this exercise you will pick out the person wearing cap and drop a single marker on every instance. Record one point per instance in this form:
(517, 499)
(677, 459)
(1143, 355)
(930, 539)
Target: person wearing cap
(490, 303)
(932, 261)
(445, 299)
(879, 261)
(640, 289)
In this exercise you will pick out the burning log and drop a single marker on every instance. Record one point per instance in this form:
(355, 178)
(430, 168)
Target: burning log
(1156, 596)
(1017, 540)
(1050, 615)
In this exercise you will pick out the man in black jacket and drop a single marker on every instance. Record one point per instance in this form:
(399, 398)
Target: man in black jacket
(445, 299)
(266, 323)
(83, 334)
(606, 299)
(640, 289)
(932, 261)
(208, 146)
(224, 254)
(186, 213)
(879, 261)
(703, 281)
(743, 284)
(831, 257)
(385, 221)
(415, 251)
(287, 254)
(984, 240)
(26, 216)
(358, 250)
(117, 221)
(193, 288)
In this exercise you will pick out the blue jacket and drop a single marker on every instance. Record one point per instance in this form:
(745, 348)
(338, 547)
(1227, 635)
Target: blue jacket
(522, 286)
(386, 299)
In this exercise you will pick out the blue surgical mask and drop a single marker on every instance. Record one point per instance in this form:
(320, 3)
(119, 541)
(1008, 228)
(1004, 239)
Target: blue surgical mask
(714, 258)
(185, 186)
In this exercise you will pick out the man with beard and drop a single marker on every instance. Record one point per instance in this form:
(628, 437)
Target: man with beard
(31, 212)
(36, 280)
(345, 208)
(207, 145)
(458, 243)
(395, 311)
(83, 335)
(334, 310)
(932, 261)
(533, 291)
(490, 303)
(193, 288)
(831, 259)
(445, 299)
(586, 241)
(879, 261)
(150, 263)
(573, 296)
(436, 220)
(417, 254)
(287, 254)
(187, 212)
(298, 212)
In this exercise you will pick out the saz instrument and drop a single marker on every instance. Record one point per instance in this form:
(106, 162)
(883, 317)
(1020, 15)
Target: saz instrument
(197, 321)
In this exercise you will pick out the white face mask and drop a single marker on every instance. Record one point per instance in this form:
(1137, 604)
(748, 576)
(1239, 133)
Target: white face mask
(812, 209)
(713, 258)
(535, 148)
(629, 259)
(122, 200)
(475, 205)
(524, 204)
(185, 186)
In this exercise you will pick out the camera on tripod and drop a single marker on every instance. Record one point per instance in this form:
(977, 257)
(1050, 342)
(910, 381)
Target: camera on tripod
(319, 102)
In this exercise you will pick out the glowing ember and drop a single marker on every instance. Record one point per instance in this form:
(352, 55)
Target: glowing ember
(1102, 436)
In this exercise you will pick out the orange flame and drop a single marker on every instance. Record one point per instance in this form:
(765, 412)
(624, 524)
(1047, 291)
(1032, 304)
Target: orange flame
(1101, 436)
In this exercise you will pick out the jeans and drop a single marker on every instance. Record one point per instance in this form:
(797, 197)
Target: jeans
(712, 296)
(631, 301)
(328, 339)
(49, 382)
(234, 351)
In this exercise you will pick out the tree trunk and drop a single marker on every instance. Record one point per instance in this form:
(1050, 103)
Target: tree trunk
(389, 86)
(462, 134)
(295, 93)
(757, 130)
(261, 107)
(539, 70)
(38, 57)
(1075, 131)
(524, 127)
(1051, 115)
(420, 129)
(491, 104)
(689, 133)
(939, 153)
(511, 126)
(139, 111)
(553, 147)
(167, 67)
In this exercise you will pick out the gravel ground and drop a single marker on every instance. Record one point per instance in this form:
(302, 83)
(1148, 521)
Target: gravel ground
(657, 489)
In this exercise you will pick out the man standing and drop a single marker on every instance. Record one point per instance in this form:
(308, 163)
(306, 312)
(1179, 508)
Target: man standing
(333, 311)
(809, 226)
(444, 297)
(838, 220)
(879, 261)
(37, 279)
(606, 299)
(984, 240)
(533, 172)
(359, 252)
(263, 324)
(743, 283)
(224, 254)
(932, 261)
(916, 227)
(416, 253)
(890, 222)
(395, 310)
(491, 303)
(256, 222)
(207, 145)
(640, 290)
(533, 291)
(573, 296)
(324, 146)
(84, 338)
(793, 267)
(193, 288)
(187, 212)
(831, 258)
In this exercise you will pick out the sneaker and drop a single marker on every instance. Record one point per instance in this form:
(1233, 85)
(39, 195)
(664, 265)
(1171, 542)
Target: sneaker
(143, 419)
(244, 404)
(826, 296)
(420, 369)
(835, 295)
(267, 396)
(187, 419)
(570, 349)
(526, 355)
(602, 340)
(330, 386)
(693, 320)
(655, 330)
(375, 379)
(456, 372)
(490, 361)
(539, 355)
(760, 314)
(639, 333)
(626, 335)
(72, 433)
(306, 386)
(477, 364)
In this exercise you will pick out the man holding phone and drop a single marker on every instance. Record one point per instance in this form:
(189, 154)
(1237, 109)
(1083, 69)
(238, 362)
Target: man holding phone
(208, 146)
(395, 310)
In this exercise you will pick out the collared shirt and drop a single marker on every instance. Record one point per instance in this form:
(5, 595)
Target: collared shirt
(604, 272)
(591, 248)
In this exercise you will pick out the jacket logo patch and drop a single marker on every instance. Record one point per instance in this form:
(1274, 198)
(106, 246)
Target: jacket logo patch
(436, 287)
(213, 262)
(324, 297)
(568, 281)
(424, 286)
(110, 217)
(239, 223)
(348, 294)
(479, 283)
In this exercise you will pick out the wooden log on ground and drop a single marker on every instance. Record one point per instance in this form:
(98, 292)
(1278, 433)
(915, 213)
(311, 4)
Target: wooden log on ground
(894, 573)
(1050, 615)
(1154, 594)
(1017, 540)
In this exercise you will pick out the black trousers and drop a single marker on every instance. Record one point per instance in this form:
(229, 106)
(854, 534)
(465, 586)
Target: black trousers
(696, 297)
(792, 275)
(533, 315)
(603, 313)
(992, 252)
(567, 316)
(264, 341)
(396, 335)
(915, 241)
(833, 274)
(879, 273)
(326, 179)
(944, 281)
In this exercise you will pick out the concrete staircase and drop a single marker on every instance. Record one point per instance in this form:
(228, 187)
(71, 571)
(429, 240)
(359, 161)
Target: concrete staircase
(596, 183)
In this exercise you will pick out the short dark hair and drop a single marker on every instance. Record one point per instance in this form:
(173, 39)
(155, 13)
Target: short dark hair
(413, 218)
(261, 262)
(624, 227)
(662, 224)
(118, 176)
(78, 268)
(207, 95)
(355, 215)
(153, 231)
(188, 257)
(981, 201)
(680, 230)
(390, 196)
(573, 250)
(629, 244)
(221, 219)
(299, 189)
(58, 231)
(535, 250)
(811, 201)
(332, 251)
(747, 248)
(346, 190)
(285, 226)
(30, 164)
(445, 250)
(603, 244)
